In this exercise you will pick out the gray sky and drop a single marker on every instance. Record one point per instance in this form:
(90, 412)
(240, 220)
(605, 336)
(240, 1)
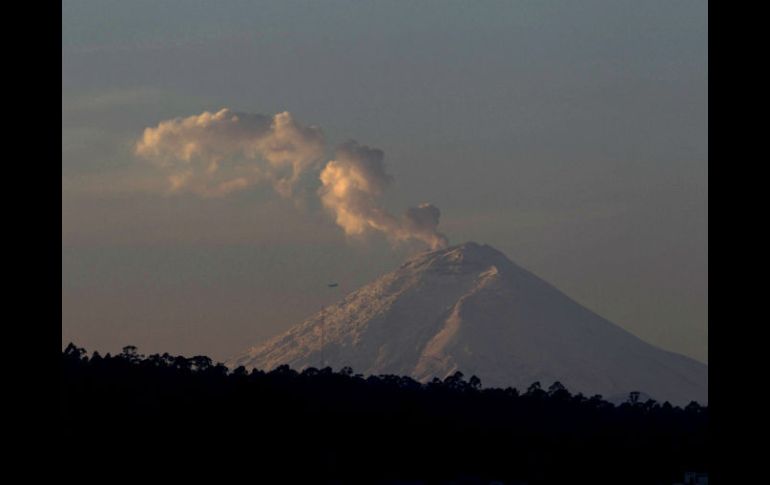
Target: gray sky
(570, 135)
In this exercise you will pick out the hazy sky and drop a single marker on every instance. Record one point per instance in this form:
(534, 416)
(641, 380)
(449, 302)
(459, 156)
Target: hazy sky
(570, 135)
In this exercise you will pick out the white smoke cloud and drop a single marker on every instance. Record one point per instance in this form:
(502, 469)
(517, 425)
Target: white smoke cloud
(351, 186)
(214, 154)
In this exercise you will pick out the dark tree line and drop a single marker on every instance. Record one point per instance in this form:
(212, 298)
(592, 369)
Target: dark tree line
(319, 424)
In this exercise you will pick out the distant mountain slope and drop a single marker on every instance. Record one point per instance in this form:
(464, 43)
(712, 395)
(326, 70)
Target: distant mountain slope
(469, 308)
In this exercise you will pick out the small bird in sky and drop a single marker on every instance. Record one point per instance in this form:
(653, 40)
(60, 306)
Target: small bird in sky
(333, 285)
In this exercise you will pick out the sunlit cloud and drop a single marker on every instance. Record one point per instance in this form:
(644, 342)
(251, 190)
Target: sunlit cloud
(216, 154)
(352, 184)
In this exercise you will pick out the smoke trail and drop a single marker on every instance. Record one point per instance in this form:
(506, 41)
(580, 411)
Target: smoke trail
(215, 154)
(352, 184)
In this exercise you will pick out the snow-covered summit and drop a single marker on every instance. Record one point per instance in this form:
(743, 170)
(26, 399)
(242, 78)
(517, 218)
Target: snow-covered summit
(469, 308)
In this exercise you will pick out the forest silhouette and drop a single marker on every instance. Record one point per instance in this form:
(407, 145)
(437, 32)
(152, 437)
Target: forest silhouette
(319, 425)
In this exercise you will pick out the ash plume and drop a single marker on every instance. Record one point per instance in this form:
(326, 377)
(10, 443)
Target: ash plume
(216, 154)
(352, 184)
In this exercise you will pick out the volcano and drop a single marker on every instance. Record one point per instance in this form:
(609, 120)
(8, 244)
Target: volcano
(469, 308)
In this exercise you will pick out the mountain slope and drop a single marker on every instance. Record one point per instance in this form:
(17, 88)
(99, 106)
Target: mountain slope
(469, 308)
